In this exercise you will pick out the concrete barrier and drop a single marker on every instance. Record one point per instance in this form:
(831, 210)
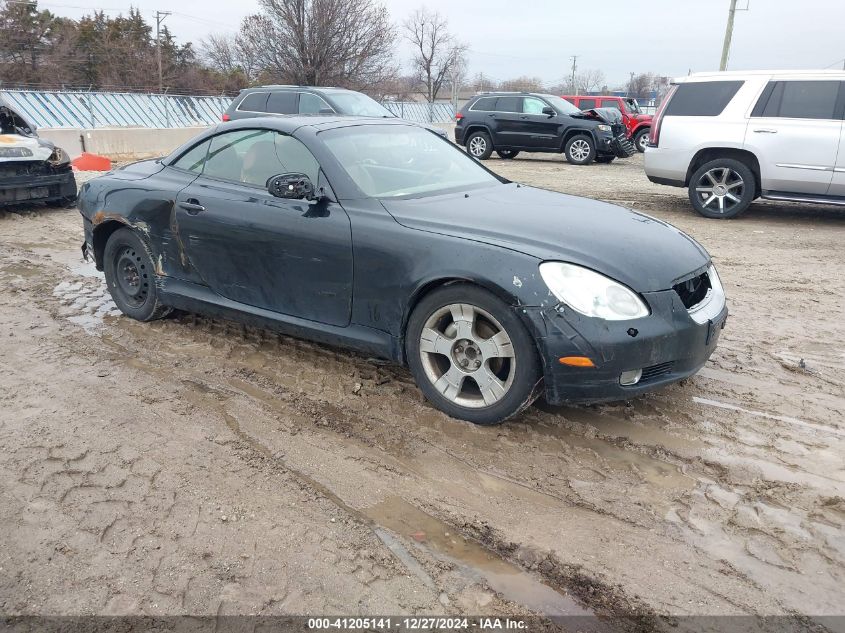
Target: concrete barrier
(125, 143)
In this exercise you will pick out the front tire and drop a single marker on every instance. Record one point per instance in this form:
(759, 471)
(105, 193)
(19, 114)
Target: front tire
(471, 356)
(507, 154)
(605, 159)
(130, 276)
(580, 150)
(722, 188)
(641, 139)
(479, 145)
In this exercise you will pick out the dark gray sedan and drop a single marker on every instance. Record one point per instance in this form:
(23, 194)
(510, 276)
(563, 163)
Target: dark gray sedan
(380, 236)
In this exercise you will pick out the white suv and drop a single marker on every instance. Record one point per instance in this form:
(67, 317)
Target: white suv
(732, 137)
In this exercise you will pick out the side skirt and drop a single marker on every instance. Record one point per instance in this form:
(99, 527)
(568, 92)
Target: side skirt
(804, 197)
(184, 295)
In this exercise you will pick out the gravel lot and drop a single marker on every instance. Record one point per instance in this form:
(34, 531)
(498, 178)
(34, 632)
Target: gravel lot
(195, 466)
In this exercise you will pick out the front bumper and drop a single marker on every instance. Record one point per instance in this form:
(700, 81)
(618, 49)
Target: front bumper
(52, 184)
(667, 345)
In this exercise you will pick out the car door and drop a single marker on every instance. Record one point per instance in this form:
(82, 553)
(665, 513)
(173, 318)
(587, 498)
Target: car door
(293, 257)
(506, 124)
(795, 133)
(540, 131)
(837, 184)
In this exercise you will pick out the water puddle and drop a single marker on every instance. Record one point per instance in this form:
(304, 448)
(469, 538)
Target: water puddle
(85, 302)
(507, 579)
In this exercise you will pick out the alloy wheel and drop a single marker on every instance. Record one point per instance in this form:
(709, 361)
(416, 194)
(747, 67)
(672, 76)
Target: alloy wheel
(467, 355)
(720, 188)
(477, 146)
(579, 150)
(642, 141)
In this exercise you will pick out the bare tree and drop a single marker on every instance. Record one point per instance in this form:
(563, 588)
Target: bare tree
(436, 51)
(220, 52)
(312, 42)
(591, 80)
(522, 84)
(640, 85)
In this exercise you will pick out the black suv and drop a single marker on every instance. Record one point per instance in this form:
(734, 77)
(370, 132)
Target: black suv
(303, 100)
(508, 123)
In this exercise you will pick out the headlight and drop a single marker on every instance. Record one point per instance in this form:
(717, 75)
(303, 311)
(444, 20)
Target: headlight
(590, 293)
(59, 157)
(601, 127)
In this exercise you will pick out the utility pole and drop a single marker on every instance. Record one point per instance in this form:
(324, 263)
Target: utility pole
(729, 31)
(160, 15)
(574, 59)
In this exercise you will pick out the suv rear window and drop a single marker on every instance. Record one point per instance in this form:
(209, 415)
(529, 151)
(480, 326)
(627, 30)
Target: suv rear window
(799, 100)
(705, 98)
(282, 102)
(255, 102)
(509, 104)
(485, 104)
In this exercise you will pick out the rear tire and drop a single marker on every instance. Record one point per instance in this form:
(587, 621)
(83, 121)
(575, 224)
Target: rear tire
(507, 154)
(722, 188)
(479, 145)
(130, 276)
(580, 150)
(471, 356)
(641, 138)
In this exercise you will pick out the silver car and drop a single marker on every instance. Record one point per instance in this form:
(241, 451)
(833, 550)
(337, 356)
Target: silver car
(732, 137)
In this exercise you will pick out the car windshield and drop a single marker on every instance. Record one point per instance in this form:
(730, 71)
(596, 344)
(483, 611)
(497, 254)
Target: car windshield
(357, 104)
(561, 105)
(387, 161)
(633, 106)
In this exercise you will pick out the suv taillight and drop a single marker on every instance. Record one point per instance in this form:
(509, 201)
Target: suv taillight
(226, 117)
(654, 134)
(458, 117)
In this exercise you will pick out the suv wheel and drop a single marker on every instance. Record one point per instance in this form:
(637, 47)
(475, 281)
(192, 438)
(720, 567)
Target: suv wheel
(580, 150)
(471, 355)
(479, 145)
(722, 188)
(507, 153)
(641, 139)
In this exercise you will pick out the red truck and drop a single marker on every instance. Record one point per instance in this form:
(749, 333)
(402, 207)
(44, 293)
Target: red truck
(637, 123)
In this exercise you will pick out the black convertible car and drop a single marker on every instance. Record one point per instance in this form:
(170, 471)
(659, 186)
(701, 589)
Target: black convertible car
(381, 236)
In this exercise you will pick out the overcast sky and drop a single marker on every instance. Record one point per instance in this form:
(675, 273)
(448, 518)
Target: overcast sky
(509, 38)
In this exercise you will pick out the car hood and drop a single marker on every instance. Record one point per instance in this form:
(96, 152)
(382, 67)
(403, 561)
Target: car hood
(16, 147)
(642, 252)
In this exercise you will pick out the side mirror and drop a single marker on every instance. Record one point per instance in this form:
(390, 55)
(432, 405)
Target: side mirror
(549, 110)
(291, 187)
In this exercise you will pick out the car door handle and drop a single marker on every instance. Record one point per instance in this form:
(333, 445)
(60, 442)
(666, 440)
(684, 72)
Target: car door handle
(765, 130)
(192, 206)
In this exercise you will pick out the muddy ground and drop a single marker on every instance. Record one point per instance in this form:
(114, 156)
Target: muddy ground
(194, 466)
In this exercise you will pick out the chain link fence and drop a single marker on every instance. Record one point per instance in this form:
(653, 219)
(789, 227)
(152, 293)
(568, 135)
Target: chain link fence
(91, 110)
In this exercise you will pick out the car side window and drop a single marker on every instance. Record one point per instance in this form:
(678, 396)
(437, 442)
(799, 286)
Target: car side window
(484, 104)
(799, 100)
(611, 103)
(194, 159)
(532, 105)
(587, 104)
(255, 102)
(509, 104)
(702, 98)
(312, 104)
(282, 103)
(252, 157)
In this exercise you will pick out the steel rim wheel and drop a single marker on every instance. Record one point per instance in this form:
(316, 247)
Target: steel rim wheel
(642, 141)
(477, 146)
(467, 355)
(722, 186)
(579, 150)
(130, 277)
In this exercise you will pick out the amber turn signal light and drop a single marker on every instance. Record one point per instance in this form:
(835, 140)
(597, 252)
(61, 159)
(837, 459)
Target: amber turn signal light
(576, 361)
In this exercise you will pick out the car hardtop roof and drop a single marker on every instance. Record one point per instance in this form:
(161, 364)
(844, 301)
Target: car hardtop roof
(728, 75)
(288, 124)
